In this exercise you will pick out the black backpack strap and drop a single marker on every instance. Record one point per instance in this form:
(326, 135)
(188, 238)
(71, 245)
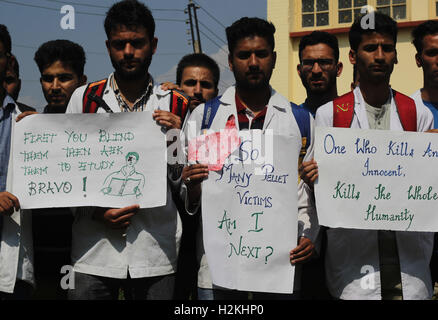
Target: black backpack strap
(23, 107)
(90, 101)
(99, 102)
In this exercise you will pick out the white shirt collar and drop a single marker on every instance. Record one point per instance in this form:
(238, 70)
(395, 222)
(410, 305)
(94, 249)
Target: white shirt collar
(7, 100)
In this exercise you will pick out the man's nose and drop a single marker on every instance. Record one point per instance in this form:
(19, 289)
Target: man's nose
(379, 55)
(316, 68)
(253, 61)
(198, 88)
(55, 84)
(128, 50)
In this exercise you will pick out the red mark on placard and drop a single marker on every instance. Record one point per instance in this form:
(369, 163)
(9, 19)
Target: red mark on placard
(214, 148)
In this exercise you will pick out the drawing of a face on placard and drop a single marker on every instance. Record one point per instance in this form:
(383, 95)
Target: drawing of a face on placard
(127, 181)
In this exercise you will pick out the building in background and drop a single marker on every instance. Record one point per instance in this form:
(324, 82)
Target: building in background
(295, 18)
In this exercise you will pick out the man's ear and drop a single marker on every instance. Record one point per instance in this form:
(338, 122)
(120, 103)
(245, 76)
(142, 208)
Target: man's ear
(418, 60)
(299, 70)
(396, 59)
(83, 80)
(352, 56)
(230, 63)
(339, 68)
(154, 45)
(274, 59)
(18, 87)
(107, 44)
(11, 61)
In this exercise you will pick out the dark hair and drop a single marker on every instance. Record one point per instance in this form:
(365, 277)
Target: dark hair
(317, 37)
(198, 60)
(131, 14)
(248, 27)
(383, 24)
(5, 38)
(69, 53)
(429, 27)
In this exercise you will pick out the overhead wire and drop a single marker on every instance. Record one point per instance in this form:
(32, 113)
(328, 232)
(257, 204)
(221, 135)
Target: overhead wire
(78, 12)
(214, 42)
(106, 7)
(212, 32)
(211, 16)
(80, 4)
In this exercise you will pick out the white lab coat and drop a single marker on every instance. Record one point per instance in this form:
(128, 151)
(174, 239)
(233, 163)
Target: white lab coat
(352, 257)
(280, 119)
(16, 248)
(150, 247)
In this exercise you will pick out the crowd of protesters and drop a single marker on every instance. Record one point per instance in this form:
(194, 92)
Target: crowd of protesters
(158, 253)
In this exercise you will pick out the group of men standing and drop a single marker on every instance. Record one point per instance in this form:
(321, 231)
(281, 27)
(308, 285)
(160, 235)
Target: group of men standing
(149, 253)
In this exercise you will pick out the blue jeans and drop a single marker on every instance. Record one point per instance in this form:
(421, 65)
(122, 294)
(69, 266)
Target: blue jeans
(91, 287)
(205, 294)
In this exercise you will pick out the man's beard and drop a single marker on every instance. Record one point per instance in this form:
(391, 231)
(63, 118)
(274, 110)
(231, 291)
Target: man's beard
(243, 83)
(56, 108)
(195, 101)
(319, 89)
(432, 80)
(329, 83)
(375, 78)
(139, 72)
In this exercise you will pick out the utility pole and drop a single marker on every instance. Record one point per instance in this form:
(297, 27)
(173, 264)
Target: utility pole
(193, 20)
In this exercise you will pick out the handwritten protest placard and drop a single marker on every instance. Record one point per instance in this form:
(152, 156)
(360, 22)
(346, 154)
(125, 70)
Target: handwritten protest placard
(249, 214)
(108, 160)
(377, 179)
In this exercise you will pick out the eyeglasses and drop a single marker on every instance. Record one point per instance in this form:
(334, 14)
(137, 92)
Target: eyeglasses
(324, 64)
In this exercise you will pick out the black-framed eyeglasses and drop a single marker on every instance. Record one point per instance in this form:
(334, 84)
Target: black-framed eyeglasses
(324, 64)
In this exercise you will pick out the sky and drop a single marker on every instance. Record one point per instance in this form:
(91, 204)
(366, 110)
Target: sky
(33, 22)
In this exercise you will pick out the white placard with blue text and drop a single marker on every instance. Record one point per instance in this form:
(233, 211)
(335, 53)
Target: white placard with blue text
(249, 215)
(377, 179)
(108, 160)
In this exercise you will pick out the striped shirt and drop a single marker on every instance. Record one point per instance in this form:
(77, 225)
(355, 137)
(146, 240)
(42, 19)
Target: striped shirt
(139, 104)
(247, 119)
